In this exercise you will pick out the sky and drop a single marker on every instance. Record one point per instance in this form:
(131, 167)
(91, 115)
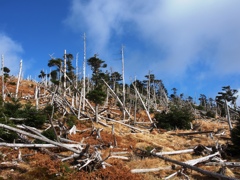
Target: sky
(191, 45)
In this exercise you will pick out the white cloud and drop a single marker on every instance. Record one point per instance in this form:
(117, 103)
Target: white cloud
(185, 31)
(11, 51)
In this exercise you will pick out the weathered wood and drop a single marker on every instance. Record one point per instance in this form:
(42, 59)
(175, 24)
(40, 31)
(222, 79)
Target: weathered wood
(227, 164)
(64, 72)
(34, 130)
(228, 115)
(122, 152)
(72, 130)
(192, 133)
(124, 124)
(150, 169)
(18, 81)
(3, 85)
(68, 140)
(51, 122)
(116, 97)
(70, 157)
(149, 117)
(79, 146)
(170, 176)
(120, 157)
(17, 119)
(37, 137)
(202, 159)
(84, 72)
(178, 173)
(98, 133)
(102, 123)
(175, 152)
(189, 166)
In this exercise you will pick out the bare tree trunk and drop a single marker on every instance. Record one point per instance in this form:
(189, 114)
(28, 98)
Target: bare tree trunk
(19, 77)
(64, 73)
(123, 82)
(76, 72)
(135, 106)
(149, 117)
(96, 112)
(84, 71)
(38, 137)
(116, 97)
(3, 94)
(228, 116)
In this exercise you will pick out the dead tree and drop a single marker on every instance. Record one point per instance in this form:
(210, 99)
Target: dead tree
(18, 81)
(3, 94)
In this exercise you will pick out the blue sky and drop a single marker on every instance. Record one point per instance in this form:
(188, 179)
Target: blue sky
(191, 45)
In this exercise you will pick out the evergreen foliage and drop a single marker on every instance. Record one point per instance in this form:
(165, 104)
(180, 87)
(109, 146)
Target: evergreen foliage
(48, 134)
(7, 135)
(210, 114)
(177, 118)
(71, 120)
(97, 95)
(235, 135)
(34, 118)
(12, 109)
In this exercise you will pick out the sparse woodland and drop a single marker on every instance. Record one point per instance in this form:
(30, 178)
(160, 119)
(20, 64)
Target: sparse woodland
(69, 127)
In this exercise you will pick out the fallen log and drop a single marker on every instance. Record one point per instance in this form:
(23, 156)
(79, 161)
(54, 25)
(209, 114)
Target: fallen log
(227, 164)
(202, 159)
(38, 145)
(189, 166)
(124, 124)
(17, 119)
(175, 152)
(190, 162)
(39, 138)
(121, 152)
(150, 169)
(120, 157)
(192, 133)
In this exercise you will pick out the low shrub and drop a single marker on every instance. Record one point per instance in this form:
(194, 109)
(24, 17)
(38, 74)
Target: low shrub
(176, 118)
(235, 135)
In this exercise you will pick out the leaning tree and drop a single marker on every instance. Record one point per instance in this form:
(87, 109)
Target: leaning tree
(228, 95)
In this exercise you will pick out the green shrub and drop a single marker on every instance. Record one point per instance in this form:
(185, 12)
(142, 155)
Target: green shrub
(71, 120)
(8, 136)
(200, 107)
(35, 118)
(12, 83)
(148, 150)
(210, 114)
(177, 118)
(48, 134)
(12, 109)
(48, 110)
(5, 134)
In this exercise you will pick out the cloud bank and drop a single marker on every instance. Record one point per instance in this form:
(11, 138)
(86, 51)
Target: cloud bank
(200, 36)
(11, 51)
